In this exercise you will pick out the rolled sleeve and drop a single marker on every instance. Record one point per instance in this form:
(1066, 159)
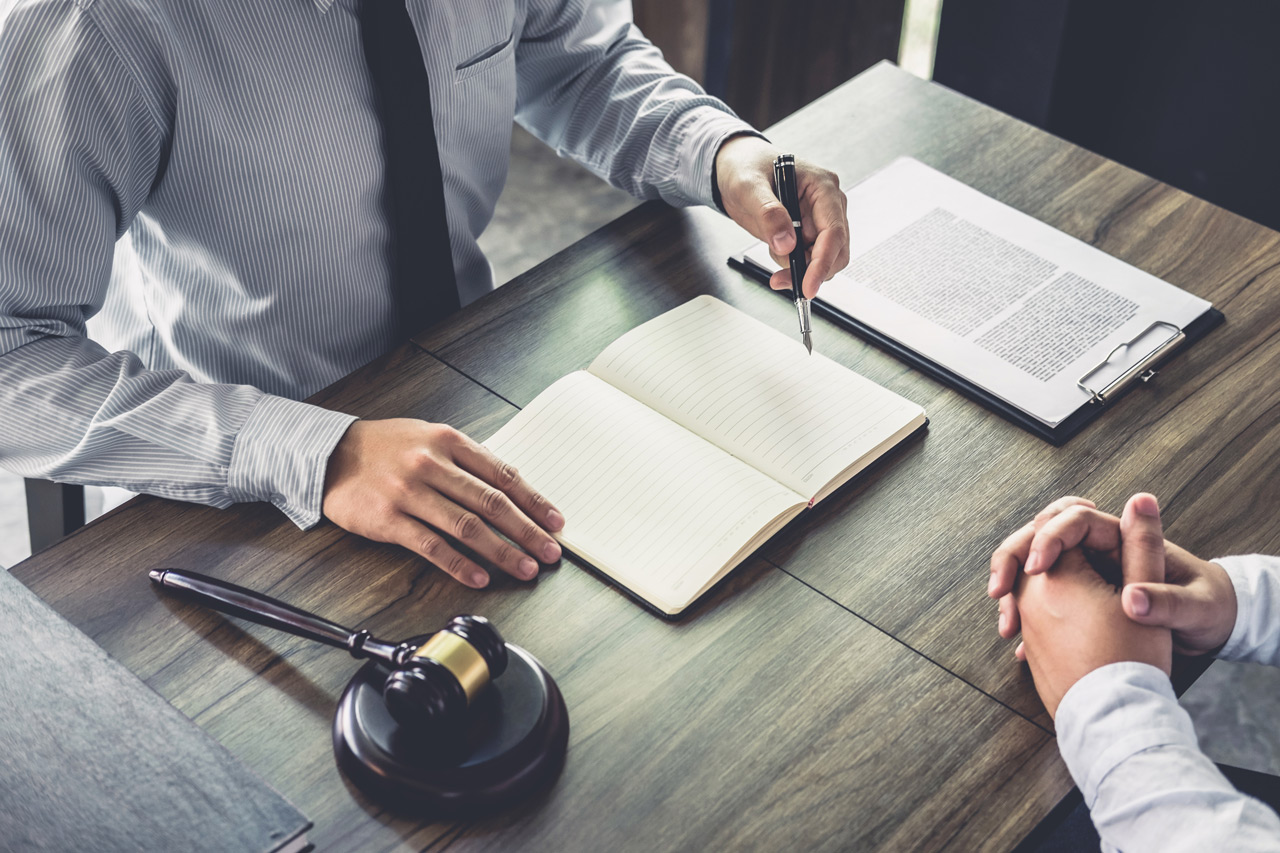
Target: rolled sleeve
(1256, 635)
(700, 133)
(1113, 713)
(281, 455)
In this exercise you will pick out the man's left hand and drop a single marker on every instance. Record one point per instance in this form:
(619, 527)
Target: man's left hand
(1073, 621)
(744, 171)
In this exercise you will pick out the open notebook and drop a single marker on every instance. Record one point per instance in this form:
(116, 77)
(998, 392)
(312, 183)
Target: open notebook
(691, 440)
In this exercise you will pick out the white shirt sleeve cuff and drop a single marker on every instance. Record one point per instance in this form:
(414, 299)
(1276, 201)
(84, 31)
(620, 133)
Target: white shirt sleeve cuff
(281, 455)
(1113, 713)
(701, 132)
(1256, 634)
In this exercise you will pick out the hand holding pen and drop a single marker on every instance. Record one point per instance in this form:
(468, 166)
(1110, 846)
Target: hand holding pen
(746, 180)
(784, 179)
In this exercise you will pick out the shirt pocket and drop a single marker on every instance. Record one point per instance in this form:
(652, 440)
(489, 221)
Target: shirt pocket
(483, 36)
(495, 54)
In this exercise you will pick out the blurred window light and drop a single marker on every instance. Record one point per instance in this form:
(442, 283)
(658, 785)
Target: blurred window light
(919, 37)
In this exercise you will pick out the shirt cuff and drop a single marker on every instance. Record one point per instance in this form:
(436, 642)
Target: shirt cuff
(1256, 581)
(281, 455)
(1113, 713)
(702, 131)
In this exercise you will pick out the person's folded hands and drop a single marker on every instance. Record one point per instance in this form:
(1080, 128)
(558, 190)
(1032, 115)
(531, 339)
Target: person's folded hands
(1196, 599)
(1072, 618)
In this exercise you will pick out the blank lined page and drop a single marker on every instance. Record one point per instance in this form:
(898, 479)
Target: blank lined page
(644, 500)
(802, 419)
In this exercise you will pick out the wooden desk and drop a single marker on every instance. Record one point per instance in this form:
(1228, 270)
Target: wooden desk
(846, 688)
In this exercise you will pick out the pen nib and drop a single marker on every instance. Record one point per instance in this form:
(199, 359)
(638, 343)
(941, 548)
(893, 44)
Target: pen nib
(808, 342)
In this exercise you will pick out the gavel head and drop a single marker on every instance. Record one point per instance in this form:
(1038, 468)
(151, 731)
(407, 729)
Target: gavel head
(437, 681)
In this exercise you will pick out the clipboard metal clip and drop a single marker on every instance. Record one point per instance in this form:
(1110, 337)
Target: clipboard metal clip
(1142, 371)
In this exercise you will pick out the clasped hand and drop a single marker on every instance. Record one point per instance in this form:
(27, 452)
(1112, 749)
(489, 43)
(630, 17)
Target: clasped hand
(1073, 621)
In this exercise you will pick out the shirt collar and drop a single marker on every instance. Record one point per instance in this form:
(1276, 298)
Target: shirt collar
(323, 6)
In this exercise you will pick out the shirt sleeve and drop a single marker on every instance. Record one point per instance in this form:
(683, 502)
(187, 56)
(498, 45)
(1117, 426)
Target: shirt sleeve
(590, 85)
(1256, 635)
(81, 144)
(1132, 751)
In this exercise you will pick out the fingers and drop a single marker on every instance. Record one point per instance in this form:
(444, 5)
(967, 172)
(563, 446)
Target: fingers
(477, 459)
(1075, 525)
(417, 537)
(1009, 623)
(496, 507)
(1013, 551)
(830, 254)
(1007, 559)
(829, 224)
(767, 219)
(470, 529)
(1165, 605)
(1061, 504)
(1142, 546)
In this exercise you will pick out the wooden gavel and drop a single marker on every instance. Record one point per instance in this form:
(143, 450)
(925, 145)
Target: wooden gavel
(429, 686)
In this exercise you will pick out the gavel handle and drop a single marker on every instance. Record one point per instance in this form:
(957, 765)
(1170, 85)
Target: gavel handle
(262, 609)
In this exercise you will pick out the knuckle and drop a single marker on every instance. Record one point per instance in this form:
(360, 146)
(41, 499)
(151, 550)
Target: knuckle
(506, 476)
(507, 556)
(431, 547)
(467, 526)
(456, 565)
(493, 503)
(1148, 540)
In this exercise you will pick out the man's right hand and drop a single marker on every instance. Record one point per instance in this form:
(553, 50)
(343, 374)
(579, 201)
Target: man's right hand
(408, 481)
(1196, 600)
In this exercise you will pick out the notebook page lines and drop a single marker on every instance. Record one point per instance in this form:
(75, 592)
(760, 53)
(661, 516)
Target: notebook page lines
(655, 505)
(801, 419)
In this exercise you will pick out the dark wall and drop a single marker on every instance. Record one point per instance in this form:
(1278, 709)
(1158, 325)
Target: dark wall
(1187, 92)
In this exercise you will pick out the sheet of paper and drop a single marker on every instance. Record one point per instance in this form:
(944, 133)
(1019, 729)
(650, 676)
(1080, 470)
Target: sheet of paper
(1008, 302)
(802, 419)
(643, 499)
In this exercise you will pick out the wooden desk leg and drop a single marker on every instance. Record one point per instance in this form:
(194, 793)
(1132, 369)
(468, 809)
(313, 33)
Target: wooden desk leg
(53, 511)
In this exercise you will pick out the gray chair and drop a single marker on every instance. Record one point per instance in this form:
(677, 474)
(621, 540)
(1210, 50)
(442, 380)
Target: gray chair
(53, 511)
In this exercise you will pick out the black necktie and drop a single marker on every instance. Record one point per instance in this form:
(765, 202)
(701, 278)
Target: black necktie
(425, 286)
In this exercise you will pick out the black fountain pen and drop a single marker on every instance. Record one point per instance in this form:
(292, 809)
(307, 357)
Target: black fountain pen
(784, 176)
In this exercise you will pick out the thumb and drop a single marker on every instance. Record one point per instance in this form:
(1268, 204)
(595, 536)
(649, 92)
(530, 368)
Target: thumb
(767, 219)
(1160, 604)
(1142, 541)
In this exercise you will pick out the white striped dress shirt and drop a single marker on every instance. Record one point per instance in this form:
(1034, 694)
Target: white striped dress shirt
(205, 181)
(1133, 751)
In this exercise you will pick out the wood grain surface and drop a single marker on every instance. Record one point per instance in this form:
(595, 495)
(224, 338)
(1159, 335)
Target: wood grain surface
(772, 716)
(845, 689)
(907, 547)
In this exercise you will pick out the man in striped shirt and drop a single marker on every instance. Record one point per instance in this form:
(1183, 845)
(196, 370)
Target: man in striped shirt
(194, 238)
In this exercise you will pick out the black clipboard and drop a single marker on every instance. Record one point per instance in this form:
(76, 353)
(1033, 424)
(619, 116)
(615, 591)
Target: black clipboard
(1141, 372)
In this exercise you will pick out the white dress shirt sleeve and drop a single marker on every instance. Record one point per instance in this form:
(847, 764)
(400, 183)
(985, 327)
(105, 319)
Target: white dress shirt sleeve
(595, 89)
(81, 143)
(1133, 753)
(1256, 636)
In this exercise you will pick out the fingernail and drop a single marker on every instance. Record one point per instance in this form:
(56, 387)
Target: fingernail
(527, 568)
(1000, 624)
(554, 520)
(780, 242)
(1146, 505)
(991, 586)
(1141, 602)
(479, 579)
(1033, 561)
(550, 552)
